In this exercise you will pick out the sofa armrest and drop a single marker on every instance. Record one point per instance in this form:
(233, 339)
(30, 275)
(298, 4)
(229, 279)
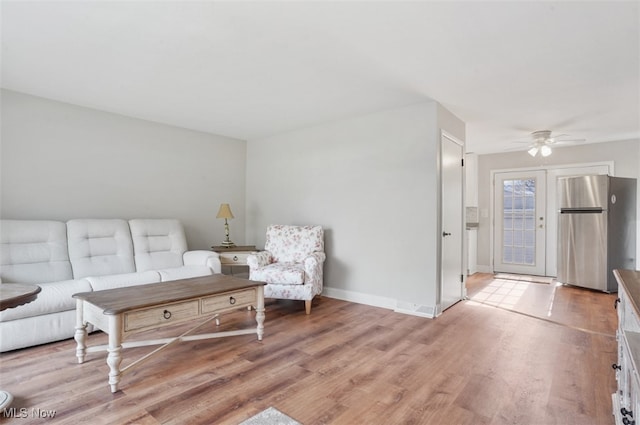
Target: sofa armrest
(259, 259)
(201, 257)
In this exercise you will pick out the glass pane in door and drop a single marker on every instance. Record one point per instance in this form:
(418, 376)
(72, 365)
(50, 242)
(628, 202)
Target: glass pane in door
(518, 221)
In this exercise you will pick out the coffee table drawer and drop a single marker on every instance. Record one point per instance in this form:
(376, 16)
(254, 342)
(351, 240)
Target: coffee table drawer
(155, 316)
(222, 301)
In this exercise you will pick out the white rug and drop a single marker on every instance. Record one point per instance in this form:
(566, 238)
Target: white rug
(270, 416)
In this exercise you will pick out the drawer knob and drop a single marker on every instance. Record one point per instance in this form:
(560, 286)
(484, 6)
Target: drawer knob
(626, 412)
(167, 314)
(235, 258)
(615, 303)
(232, 300)
(616, 367)
(626, 421)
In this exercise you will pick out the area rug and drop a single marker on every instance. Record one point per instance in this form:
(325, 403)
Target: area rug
(270, 416)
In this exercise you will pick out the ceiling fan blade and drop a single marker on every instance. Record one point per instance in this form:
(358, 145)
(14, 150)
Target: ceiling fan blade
(567, 142)
(570, 140)
(520, 149)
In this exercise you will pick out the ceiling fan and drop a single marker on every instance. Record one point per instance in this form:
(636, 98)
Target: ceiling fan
(542, 141)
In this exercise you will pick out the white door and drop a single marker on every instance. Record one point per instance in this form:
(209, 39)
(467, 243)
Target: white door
(519, 230)
(451, 262)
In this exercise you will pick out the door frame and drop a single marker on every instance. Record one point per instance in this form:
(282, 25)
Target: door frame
(439, 306)
(492, 215)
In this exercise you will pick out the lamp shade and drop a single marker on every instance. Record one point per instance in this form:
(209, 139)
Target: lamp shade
(224, 211)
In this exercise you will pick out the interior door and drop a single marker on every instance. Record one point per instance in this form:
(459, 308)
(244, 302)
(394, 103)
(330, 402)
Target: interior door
(519, 229)
(451, 262)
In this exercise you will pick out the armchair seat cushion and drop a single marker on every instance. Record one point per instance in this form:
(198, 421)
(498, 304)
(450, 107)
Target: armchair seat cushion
(280, 273)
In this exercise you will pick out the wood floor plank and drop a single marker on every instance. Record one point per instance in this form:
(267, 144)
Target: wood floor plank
(544, 359)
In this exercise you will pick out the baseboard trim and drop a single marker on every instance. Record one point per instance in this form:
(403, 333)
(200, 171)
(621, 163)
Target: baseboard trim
(359, 297)
(416, 309)
(414, 313)
(402, 307)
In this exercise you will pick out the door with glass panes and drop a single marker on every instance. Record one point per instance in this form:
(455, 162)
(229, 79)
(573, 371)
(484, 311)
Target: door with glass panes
(519, 229)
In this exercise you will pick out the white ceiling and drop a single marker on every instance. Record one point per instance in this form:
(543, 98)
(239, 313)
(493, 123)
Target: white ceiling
(254, 69)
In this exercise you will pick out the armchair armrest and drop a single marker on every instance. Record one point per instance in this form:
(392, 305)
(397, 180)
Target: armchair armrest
(259, 259)
(313, 269)
(203, 258)
(314, 259)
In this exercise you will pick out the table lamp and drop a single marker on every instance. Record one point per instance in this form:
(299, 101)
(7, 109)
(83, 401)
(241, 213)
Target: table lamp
(225, 212)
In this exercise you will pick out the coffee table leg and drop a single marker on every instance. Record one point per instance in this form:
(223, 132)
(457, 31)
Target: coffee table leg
(115, 351)
(260, 313)
(81, 332)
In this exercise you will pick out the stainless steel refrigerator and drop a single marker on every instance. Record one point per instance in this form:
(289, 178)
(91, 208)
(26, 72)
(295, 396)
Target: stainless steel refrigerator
(596, 230)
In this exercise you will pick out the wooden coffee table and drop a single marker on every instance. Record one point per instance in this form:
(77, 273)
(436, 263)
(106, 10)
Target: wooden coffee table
(123, 312)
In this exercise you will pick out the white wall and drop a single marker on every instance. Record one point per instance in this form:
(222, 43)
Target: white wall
(624, 154)
(61, 161)
(371, 182)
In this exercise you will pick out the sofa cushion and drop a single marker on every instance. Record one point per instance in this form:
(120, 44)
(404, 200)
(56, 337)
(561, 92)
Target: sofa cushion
(184, 272)
(281, 273)
(99, 247)
(100, 283)
(54, 297)
(157, 243)
(34, 251)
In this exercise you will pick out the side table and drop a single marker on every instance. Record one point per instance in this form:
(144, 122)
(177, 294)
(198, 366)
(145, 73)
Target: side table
(13, 295)
(234, 259)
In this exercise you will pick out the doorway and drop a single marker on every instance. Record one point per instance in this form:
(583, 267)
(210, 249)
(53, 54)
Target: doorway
(513, 240)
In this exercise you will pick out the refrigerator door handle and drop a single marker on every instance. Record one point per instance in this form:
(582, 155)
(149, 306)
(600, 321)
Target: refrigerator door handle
(597, 210)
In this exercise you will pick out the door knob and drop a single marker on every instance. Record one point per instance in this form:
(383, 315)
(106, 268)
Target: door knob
(446, 234)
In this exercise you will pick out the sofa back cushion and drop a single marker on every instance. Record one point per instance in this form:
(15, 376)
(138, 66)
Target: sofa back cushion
(33, 251)
(99, 247)
(158, 243)
(292, 244)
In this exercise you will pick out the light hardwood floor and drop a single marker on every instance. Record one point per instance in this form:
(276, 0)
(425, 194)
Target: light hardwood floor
(352, 364)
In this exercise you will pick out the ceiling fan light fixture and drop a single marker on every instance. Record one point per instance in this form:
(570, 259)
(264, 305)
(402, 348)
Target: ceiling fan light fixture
(542, 142)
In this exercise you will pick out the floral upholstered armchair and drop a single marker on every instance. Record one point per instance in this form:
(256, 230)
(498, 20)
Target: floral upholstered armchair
(291, 263)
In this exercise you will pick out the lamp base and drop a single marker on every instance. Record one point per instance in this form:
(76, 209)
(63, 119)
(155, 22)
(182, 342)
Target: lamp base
(227, 243)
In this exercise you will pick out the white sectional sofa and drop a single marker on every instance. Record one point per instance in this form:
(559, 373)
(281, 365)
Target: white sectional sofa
(86, 255)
